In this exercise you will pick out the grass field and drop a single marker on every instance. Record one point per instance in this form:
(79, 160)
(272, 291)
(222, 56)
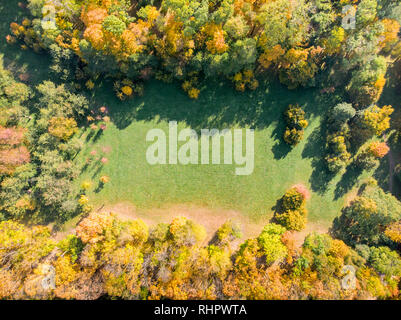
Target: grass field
(277, 167)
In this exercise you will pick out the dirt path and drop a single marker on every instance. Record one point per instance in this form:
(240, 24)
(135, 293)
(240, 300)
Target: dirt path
(211, 219)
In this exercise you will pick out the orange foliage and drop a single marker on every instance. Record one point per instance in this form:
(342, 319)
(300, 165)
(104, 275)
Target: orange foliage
(217, 44)
(379, 149)
(92, 228)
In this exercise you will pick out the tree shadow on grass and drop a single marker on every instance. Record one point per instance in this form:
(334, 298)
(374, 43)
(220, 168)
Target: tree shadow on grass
(280, 148)
(219, 105)
(315, 148)
(382, 174)
(348, 180)
(99, 187)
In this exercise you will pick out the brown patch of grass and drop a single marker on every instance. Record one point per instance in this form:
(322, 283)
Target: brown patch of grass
(210, 219)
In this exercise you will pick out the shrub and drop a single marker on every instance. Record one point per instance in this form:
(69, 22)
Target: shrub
(292, 219)
(366, 160)
(374, 121)
(378, 149)
(340, 115)
(393, 231)
(62, 128)
(385, 261)
(228, 232)
(104, 179)
(86, 185)
(296, 123)
(292, 212)
(270, 243)
(364, 220)
(293, 136)
(292, 199)
(338, 156)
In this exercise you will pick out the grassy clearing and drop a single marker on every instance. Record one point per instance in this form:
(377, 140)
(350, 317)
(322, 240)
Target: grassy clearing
(277, 166)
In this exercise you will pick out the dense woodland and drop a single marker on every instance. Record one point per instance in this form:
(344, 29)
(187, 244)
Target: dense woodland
(302, 43)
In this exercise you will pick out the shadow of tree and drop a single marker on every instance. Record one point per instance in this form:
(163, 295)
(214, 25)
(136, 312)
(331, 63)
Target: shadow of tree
(315, 149)
(382, 174)
(99, 187)
(218, 106)
(280, 148)
(348, 180)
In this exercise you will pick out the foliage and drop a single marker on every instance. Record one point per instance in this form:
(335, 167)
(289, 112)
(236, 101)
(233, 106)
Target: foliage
(364, 220)
(270, 243)
(122, 259)
(225, 38)
(296, 123)
(292, 212)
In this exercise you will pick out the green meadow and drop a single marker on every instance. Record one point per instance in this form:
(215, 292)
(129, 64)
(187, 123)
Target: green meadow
(277, 166)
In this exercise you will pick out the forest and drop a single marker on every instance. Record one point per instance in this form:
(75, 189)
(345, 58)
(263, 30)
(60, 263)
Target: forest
(82, 81)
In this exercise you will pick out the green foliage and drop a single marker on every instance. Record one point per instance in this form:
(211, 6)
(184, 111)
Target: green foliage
(228, 232)
(363, 221)
(71, 245)
(367, 82)
(292, 199)
(366, 12)
(385, 261)
(174, 37)
(270, 243)
(12, 97)
(340, 115)
(292, 219)
(337, 145)
(114, 25)
(366, 160)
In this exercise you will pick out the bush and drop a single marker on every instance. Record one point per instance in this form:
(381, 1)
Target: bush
(270, 243)
(338, 156)
(292, 200)
(293, 136)
(228, 232)
(366, 160)
(385, 261)
(292, 212)
(296, 123)
(292, 219)
(378, 149)
(340, 115)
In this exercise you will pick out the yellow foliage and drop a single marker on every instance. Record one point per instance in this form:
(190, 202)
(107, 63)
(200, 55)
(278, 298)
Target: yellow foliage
(86, 185)
(217, 44)
(390, 34)
(62, 128)
(90, 84)
(393, 231)
(193, 93)
(83, 200)
(127, 90)
(271, 56)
